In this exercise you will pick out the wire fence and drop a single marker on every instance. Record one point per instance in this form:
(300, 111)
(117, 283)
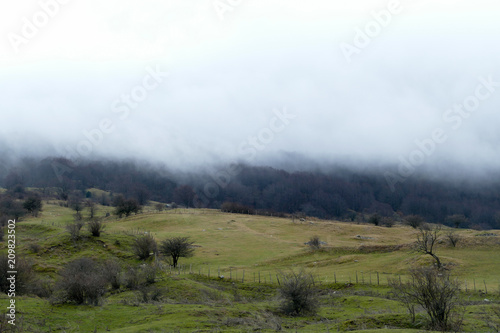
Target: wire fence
(358, 278)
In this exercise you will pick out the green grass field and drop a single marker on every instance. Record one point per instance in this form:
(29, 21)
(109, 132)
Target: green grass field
(358, 257)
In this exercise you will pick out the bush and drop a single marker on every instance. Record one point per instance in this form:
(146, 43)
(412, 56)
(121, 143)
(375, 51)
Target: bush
(74, 229)
(34, 247)
(24, 277)
(82, 282)
(111, 272)
(95, 227)
(314, 243)
(149, 273)
(414, 221)
(233, 207)
(434, 291)
(132, 278)
(144, 247)
(298, 294)
(453, 238)
(375, 219)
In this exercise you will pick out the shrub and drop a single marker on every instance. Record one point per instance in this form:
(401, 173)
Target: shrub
(74, 229)
(111, 272)
(453, 238)
(132, 278)
(82, 282)
(33, 205)
(375, 219)
(144, 246)
(24, 277)
(149, 294)
(314, 243)
(149, 273)
(34, 247)
(414, 221)
(233, 207)
(297, 293)
(434, 291)
(95, 227)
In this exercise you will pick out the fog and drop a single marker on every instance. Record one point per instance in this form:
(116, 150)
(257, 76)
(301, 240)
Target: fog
(197, 83)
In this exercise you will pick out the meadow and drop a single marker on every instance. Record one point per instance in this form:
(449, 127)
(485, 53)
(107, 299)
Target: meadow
(231, 282)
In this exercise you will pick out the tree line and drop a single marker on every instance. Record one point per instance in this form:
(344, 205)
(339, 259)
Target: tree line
(339, 193)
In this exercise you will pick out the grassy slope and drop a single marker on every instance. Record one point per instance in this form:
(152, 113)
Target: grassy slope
(253, 244)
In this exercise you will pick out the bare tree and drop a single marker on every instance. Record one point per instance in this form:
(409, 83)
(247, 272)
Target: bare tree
(297, 293)
(435, 291)
(91, 207)
(453, 237)
(74, 229)
(457, 220)
(176, 248)
(427, 240)
(414, 221)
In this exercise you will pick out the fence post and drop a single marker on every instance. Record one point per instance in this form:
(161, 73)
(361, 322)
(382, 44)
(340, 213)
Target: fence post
(378, 280)
(335, 277)
(243, 278)
(474, 284)
(356, 277)
(270, 278)
(230, 273)
(259, 276)
(485, 288)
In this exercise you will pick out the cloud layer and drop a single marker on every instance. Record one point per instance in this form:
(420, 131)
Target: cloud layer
(83, 83)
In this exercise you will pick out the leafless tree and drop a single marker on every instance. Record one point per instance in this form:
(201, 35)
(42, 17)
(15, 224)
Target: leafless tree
(457, 220)
(427, 239)
(176, 248)
(453, 237)
(91, 207)
(414, 221)
(436, 292)
(74, 229)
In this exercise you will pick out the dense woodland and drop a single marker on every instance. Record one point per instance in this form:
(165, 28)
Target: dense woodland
(339, 193)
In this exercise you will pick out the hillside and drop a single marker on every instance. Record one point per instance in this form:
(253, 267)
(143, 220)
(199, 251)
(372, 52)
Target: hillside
(353, 268)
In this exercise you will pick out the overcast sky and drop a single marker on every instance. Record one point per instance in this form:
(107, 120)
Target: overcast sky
(252, 79)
